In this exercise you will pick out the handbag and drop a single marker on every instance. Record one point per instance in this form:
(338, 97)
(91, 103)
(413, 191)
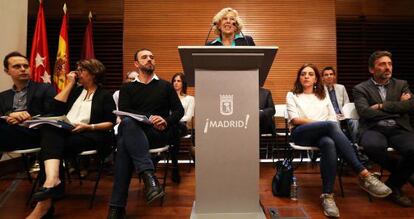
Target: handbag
(283, 179)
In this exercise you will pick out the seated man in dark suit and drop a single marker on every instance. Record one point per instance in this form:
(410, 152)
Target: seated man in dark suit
(24, 100)
(155, 98)
(267, 111)
(383, 104)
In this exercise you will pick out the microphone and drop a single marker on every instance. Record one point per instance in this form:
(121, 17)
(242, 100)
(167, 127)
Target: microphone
(242, 34)
(211, 28)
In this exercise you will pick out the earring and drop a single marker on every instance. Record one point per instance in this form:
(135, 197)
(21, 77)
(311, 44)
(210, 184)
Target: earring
(314, 86)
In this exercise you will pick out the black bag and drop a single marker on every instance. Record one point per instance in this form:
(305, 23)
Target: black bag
(283, 179)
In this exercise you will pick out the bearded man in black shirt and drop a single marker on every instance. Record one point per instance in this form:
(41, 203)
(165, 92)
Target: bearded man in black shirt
(155, 98)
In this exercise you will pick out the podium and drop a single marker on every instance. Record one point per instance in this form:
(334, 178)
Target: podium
(226, 83)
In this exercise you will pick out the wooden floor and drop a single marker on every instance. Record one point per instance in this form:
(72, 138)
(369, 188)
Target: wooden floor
(179, 199)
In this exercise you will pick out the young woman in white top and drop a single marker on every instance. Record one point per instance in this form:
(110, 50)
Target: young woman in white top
(180, 86)
(313, 122)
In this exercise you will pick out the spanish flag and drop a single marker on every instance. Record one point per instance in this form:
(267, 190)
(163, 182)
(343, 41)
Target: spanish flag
(62, 58)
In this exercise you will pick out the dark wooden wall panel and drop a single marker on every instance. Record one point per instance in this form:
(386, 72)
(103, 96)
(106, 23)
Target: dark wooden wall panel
(303, 29)
(107, 29)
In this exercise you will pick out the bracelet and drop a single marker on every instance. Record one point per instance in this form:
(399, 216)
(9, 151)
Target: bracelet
(93, 127)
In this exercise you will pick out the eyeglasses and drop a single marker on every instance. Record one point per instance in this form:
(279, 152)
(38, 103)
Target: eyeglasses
(79, 69)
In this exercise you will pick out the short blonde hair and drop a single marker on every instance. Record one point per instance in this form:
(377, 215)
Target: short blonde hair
(223, 12)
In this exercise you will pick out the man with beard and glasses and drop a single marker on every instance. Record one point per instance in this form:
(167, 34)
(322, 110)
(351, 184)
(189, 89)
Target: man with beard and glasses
(383, 104)
(155, 98)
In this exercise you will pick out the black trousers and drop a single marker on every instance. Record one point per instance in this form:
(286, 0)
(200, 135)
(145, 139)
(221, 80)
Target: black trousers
(60, 143)
(15, 137)
(375, 142)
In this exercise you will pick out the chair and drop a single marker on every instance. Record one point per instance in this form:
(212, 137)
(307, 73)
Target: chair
(162, 152)
(281, 114)
(187, 143)
(267, 139)
(350, 112)
(101, 160)
(24, 153)
(311, 149)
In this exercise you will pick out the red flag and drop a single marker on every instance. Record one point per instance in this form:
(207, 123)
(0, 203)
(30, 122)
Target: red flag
(62, 57)
(39, 56)
(87, 48)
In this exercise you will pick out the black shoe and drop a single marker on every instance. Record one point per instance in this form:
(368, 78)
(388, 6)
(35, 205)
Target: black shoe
(49, 213)
(116, 213)
(411, 180)
(152, 190)
(175, 176)
(46, 193)
(398, 197)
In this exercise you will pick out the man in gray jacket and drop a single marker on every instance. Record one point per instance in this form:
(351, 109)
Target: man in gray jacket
(383, 104)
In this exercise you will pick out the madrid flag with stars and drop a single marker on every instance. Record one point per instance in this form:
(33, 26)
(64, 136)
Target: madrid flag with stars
(39, 56)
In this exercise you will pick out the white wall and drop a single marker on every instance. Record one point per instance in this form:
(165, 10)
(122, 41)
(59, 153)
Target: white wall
(13, 23)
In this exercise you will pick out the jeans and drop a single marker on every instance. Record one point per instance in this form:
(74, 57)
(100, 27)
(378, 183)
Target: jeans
(134, 141)
(375, 142)
(330, 139)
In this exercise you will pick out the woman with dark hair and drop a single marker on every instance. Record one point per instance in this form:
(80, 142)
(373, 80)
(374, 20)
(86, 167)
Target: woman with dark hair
(180, 86)
(313, 121)
(228, 26)
(88, 108)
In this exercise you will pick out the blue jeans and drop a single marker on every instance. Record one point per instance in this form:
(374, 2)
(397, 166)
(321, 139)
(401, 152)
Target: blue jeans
(330, 139)
(134, 141)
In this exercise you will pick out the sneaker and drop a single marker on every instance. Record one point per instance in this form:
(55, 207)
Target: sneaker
(329, 206)
(374, 186)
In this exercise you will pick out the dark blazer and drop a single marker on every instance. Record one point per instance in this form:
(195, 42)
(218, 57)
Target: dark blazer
(267, 111)
(101, 111)
(40, 99)
(245, 41)
(366, 94)
(102, 105)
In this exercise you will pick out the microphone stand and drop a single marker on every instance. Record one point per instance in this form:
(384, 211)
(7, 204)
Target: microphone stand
(211, 28)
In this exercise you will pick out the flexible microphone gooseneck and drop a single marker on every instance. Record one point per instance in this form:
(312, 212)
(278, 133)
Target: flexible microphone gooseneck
(211, 28)
(244, 37)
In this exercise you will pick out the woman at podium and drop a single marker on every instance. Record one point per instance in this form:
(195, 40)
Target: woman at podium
(227, 25)
(313, 122)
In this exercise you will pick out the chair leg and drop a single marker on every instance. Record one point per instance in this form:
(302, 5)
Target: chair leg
(26, 167)
(34, 185)
(341, 168)
(167, 156)
(98, 178)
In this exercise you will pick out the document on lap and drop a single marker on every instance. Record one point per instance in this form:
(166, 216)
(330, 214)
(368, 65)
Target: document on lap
(57, 121)
(140, 118)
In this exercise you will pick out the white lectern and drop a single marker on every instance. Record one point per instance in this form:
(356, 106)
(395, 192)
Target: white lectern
(227, 127)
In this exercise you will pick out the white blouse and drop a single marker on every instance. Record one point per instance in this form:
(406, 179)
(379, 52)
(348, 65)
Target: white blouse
(309, 106)
(188, 105)
(80, 112)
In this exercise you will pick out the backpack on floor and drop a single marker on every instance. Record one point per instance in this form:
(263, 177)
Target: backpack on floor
(283, 179)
